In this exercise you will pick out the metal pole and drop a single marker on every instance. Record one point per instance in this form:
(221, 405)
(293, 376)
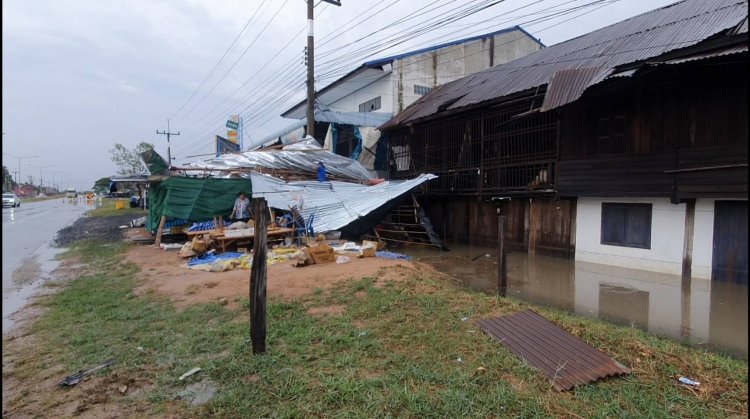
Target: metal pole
(310, 70)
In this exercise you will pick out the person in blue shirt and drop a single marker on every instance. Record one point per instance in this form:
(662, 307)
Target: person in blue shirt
(322, 172)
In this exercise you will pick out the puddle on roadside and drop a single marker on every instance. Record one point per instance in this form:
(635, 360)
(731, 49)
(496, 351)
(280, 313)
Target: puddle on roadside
(708, 313)
(34, 272)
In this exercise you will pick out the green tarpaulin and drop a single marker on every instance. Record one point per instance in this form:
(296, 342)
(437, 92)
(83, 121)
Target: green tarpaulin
(193, 199)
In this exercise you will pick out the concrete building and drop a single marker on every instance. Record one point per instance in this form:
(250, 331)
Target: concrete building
(384, 87)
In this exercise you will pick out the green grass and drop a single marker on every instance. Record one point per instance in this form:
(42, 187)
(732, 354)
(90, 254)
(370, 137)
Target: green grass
(107, 208)
(393, 352)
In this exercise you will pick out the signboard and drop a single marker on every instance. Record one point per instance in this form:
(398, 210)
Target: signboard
(223, 145)
(233, 123)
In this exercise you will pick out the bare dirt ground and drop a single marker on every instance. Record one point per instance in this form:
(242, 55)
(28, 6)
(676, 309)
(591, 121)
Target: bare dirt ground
(30, 378)
(164, 272)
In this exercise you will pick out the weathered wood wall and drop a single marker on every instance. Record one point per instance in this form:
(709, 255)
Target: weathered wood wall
(620, 141)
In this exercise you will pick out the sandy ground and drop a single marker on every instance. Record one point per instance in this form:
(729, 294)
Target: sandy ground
(164, 272)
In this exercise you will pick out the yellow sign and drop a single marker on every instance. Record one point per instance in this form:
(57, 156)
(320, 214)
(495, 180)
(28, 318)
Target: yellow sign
(232, 136)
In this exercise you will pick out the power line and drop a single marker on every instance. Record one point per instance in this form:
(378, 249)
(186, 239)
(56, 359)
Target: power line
(237, 60)
(221, 59)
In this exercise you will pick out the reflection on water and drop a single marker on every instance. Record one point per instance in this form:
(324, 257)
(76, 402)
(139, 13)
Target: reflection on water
(704, 312)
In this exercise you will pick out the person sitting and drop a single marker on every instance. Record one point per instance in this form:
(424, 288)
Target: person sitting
(241, 210)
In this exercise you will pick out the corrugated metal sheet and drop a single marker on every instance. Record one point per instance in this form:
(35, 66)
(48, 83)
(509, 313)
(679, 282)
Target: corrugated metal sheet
(565, 359)
(639, 38)
(299, 161)
(735, 49)
(565, 86)
(335, 204)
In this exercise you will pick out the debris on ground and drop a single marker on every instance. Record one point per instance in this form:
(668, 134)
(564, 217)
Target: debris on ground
(189, 373)
(76, 378)
(391, 255)
(688, 381)
(198, 393)
(95, 228)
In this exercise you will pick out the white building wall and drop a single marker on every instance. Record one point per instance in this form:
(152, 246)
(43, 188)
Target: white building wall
(435, 68)
(667, 236)
(703, 238)
(381, 87)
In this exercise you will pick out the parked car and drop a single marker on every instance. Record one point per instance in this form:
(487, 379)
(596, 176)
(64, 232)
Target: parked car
(11, 200)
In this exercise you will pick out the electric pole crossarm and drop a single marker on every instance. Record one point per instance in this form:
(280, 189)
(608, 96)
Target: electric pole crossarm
(168, 134)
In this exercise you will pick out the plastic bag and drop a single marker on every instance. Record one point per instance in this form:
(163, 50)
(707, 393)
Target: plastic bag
(342, 259)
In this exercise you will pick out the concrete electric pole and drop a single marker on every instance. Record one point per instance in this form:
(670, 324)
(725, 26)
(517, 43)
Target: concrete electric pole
(311, 65)
(168, 134)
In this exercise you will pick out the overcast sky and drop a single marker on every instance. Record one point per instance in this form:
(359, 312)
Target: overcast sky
(80, 75)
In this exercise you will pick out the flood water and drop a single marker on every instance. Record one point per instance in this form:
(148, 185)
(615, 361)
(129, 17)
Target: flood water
(706, 313)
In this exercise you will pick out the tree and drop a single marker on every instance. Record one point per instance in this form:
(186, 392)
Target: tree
(101, 186)
(8, 183)
(129, 161)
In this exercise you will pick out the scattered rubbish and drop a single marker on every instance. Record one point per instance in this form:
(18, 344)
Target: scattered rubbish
(321, 253)
(481, 369)
(123, 389)
(463, 319)
(239, 225)
(140, 348)
(223, 301)
(138, 222)
(198, 393)
(189, 373)
(186, 251)
(565, 359)
(688, 381)
(76, 378)
(123, 227)
(333, 235)
(362, 334)
(342, 259)
(391, 255)
(170, 246)
(459, 360)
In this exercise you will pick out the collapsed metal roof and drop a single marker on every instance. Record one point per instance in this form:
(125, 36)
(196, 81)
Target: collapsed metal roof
(587, 59)
(334, 204)
(301, 158)
(360, 119)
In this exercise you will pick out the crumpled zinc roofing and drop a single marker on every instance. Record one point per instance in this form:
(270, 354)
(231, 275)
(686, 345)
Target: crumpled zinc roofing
(335, 204)
(301, 161)
(645, 36)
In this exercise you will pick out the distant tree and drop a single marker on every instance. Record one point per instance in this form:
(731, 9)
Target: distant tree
(129, 161)
(8, 182)
(102, 185)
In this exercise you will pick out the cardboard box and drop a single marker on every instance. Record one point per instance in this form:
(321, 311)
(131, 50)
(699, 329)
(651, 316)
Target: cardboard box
(321, 253)
(366, 252)
(370, 243)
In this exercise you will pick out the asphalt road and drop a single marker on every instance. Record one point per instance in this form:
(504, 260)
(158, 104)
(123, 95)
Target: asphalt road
(28, 232)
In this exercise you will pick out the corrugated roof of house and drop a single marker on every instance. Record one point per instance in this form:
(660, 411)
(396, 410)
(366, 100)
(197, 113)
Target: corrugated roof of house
(581, 62)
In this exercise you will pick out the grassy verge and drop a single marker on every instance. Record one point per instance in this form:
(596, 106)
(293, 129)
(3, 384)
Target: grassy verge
(107, 209)
(388, 349)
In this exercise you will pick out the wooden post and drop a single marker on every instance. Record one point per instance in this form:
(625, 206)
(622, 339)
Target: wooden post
(502, 275)
(161, 228)
(258, 273)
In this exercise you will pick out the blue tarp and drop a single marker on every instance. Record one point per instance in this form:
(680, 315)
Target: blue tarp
(209, 258)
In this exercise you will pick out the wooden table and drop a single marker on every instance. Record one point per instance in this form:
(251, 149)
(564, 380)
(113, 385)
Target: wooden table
(224, 240)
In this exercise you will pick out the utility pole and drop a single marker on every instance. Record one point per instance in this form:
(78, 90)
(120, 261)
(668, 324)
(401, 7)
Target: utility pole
(311, 65)
(168, 134)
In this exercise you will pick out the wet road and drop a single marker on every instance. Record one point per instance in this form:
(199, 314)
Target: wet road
(707, 313)
(28, 257)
